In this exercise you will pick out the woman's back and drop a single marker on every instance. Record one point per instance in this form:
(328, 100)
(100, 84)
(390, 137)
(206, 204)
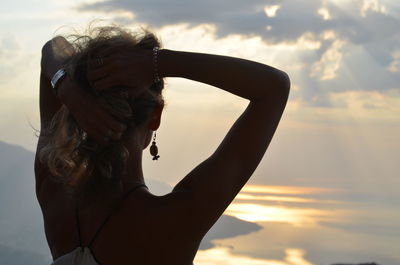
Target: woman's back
(140, 232)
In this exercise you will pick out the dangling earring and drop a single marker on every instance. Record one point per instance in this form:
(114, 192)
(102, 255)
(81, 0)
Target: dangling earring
(154, 148)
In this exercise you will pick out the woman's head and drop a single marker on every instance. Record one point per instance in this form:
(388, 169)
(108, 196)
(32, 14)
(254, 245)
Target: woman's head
(86, 167)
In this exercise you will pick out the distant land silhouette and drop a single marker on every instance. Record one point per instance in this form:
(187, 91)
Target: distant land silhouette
(373, 263)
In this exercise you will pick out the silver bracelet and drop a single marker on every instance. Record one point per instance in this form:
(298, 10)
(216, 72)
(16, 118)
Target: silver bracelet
(155, 61)
(57, 77)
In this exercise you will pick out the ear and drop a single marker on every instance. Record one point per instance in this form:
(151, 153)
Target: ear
(155, 119)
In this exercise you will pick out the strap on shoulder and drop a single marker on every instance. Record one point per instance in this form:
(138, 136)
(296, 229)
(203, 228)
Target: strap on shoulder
(105, 221)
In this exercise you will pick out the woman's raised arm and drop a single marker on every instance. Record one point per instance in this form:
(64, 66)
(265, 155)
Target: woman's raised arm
(213, 184)
(244, 78)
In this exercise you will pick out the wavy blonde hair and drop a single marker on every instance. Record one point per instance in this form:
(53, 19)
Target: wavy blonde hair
(91, 171)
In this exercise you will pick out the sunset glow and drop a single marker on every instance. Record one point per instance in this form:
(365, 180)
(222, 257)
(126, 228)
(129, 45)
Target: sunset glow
(273, 198)
(262, 213)
(284, 189)
(224, 256)
(246, 209)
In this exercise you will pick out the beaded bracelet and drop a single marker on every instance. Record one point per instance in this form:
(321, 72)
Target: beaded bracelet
(155, 61)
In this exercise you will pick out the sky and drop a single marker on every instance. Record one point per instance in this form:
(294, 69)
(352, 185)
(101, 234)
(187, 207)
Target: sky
(338, 141)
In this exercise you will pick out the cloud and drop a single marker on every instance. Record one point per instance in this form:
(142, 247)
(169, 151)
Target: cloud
(270, 11)
(394, 67)
(237, 16)
(289, 20)
(10, 53)
(15, 64)
(351, 44)
(372, 6)
(329, 63)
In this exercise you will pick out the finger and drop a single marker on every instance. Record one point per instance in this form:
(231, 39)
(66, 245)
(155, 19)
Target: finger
(111, 135)
(99, 61)
(108, 82)
(101, 125)
(102, 135)
(108, 125)
(103, 140)
(96, 134)
(91, 121)
(136, 91)
(108, 135)
(93, 125)
(111, 51)
(99, 73)
(113, 127)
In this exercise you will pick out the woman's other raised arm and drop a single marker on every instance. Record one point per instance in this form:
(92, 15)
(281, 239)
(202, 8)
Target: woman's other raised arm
(213, 184)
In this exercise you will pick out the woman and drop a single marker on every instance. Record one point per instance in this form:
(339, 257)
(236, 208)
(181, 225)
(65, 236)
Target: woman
(100, 116)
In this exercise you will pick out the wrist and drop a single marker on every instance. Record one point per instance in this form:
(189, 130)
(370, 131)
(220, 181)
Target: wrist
(50, 66)
(172, 63)
(51, 60)
(57, 79)
(66, 90)
(156, 75)
(164, 58)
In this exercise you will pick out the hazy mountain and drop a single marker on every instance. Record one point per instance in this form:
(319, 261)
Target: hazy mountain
(226, 227)
(22, 239)
(21, 224)
(14, 256)
(373, 263)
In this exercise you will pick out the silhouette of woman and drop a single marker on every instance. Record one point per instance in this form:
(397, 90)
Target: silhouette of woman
(100, 104)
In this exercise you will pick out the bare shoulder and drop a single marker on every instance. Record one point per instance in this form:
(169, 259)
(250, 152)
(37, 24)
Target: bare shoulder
(167, 214)
(162, 223)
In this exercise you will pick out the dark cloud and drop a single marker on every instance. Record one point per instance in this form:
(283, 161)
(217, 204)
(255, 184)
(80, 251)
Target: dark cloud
(248, 17)
(375, 32)
(234, 15)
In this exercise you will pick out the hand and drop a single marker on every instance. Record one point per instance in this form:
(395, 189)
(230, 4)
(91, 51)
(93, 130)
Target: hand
(54, 54)
(132, 68)
(96, 121)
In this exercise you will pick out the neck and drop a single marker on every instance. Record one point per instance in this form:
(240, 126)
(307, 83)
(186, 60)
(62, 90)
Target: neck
(134, 171)
(132, 177)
